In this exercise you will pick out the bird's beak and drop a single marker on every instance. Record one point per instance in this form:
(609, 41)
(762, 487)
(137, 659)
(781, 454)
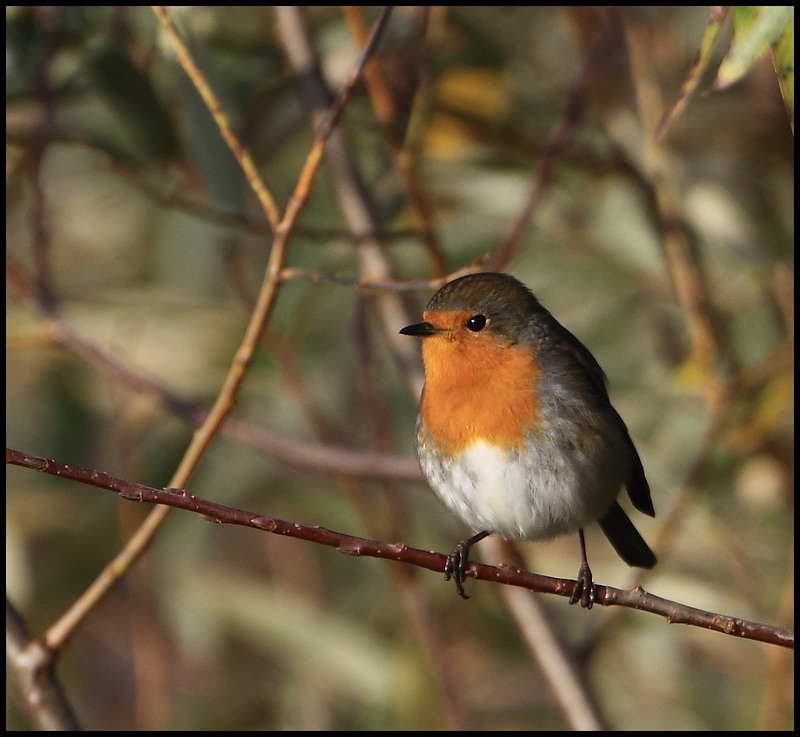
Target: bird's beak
(421, 329)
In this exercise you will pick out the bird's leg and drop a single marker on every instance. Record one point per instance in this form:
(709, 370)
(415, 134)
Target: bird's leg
(458, 561)
(584, 585)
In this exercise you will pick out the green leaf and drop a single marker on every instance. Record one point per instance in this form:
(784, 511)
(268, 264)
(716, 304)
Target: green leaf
(756, 29)
(783, 60)
(694, 75)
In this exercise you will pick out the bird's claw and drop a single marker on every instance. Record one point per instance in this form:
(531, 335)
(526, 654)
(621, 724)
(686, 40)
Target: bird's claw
(456, 567)
(585, 590)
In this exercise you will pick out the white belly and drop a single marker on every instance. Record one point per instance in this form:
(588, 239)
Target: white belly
(547, 494)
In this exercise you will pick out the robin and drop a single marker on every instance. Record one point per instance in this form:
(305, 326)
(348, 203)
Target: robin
(515, 432)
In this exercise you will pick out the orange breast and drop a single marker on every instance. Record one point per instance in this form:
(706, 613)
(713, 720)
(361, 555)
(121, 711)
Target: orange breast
(477, 389)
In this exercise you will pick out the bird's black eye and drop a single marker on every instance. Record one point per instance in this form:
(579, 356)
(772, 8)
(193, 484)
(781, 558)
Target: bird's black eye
(476, 323)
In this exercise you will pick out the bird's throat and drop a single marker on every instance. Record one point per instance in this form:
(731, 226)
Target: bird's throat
(478, 392)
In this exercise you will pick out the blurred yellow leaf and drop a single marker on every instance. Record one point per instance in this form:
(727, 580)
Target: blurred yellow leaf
(474, 90)
(465, 90)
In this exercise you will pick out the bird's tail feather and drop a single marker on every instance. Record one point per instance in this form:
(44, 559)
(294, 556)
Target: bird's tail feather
(625, 538)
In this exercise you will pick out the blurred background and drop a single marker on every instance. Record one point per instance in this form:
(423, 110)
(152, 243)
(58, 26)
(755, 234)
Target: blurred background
(521, 137)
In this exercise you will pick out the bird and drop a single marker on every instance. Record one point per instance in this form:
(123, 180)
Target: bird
(515, 431)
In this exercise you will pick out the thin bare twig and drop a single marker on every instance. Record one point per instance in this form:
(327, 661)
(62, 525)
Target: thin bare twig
(389, 285)
(223, 122)
(355, 201)
(557, 140)
(58, 634)
(557, 662)
(29, 670)
(386, 111)
(308, 456)
(636, 598)
(711, 352)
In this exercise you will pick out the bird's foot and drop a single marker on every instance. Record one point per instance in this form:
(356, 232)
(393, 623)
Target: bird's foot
(585, 590)
(456, 566)
(458, 562)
